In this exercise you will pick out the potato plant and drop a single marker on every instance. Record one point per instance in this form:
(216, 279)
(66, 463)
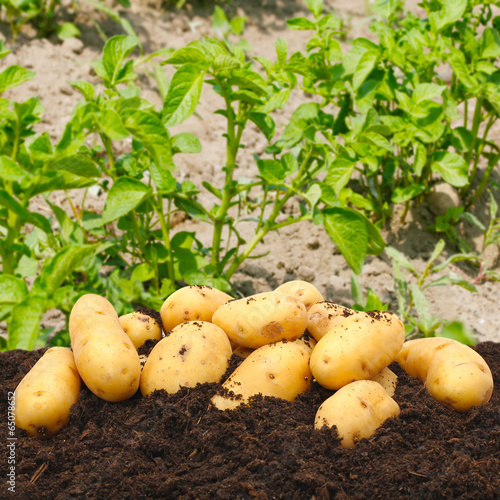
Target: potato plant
(392, 124)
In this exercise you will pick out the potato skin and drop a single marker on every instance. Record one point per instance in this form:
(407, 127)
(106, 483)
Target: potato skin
(104, 355)
(323, 316)
(280, 369)
(140, 327)
(303, 290)
(388, 380)
(357, 349)
(262, 318)
(193, 353)
(357, 410)
(44, 397)
(453, 373)
(191, 303)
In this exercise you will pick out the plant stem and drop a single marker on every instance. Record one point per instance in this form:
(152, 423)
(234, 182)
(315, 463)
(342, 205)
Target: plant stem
(479, 152)
(233, 139)
(165, 231)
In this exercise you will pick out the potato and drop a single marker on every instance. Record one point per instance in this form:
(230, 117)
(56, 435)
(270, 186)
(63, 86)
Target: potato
(357, 349)
(323, 316)
(453, 373)
(140, 327)
(262, 318)
(357, 410)
(193, 353)
(304, 341)
(104, 355)
(191, 303)
(44, 397)
(280, 369)
(388, 380)
(303, 290)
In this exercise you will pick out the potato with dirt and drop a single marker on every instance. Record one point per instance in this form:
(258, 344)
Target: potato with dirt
(104, 355)
(323, 316)
(357, 349)
(44, 396)
(280, 370)
(304, 291)
(453, 373)
(262, 318)
(193, 353)
(357, 410)
(191, 303)
(140, 327)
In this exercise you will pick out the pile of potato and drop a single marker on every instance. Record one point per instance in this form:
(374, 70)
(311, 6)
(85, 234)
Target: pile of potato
(288, 337)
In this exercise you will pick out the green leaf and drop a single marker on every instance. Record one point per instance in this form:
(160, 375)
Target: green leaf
(23, 213)
(149, 129)
(452, 167)
(11, 171)
(398, 257)
(450, 12)
(78, 164)
(490, 44)
(54, 180)
(404, 194)
(454, 279)
(12, 289)
(347, 229)
(461, 69)
(116, 50)
(13, 76)
(111, 124)
(364, 67)
(384, 8)
(67, 30)
(265, 124)
(458, 331)
(59, 268)
(187, 55)
(427, 92)
(183, 95)
(420, 158)
(281, 51)
(462, 139)
(339, 172)
(85, 88)
(300, 23)
(142, 272)
(125, 195)
(272, 171)
(427, 322)
(24, 325)
(185, 142)
(315, 7)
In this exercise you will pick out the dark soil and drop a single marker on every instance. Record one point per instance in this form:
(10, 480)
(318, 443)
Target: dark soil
(177, 446)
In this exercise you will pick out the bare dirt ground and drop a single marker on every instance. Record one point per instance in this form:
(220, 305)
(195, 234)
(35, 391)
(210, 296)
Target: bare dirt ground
(301, 251)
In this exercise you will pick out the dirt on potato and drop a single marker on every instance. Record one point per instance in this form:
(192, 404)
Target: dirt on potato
(178, 446)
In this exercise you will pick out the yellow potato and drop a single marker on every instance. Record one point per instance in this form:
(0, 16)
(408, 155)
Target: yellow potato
(357, 349)
(303, 290)
(388, 380)
(44, 397)
(140, 327)
(453, 373)
(323, 316)
(357, 411)
(304, 341)
(104, 355)
(280, 370)
(193, 353)
(191, 303)
(262, 318)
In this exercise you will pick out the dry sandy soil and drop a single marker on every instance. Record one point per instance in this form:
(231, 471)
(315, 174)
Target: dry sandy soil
(301, 251)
